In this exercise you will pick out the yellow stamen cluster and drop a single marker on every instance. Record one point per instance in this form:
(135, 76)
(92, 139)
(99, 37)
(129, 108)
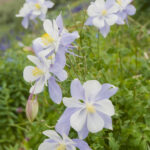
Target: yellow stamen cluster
(104, 12)
(46, 39)
(37, 6)
(90, 108)
(119, 2)
(36, 71)
(61, 147)
(51, 57)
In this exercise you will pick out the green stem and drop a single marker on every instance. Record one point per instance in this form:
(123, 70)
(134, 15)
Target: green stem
(72, 65)
(121, 70)
(98, 45)
(136, 58)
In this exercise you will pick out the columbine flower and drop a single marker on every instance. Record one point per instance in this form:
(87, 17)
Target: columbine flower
(44, 74)
(55, 142)
(89, 109)
(125, 9)
(56, 37)
(102, 15)
(33, 9)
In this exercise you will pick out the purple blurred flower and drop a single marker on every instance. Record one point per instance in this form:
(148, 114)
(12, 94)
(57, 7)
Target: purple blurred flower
(33, 9)
(19, 110)
(56, 142)
(45, 73)
(102, 15)
(125, 9)
(56, 38)
(89, 109)
(4, 43)
(77, 9)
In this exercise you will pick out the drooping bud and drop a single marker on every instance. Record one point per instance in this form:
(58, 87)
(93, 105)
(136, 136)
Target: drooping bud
(32, 107)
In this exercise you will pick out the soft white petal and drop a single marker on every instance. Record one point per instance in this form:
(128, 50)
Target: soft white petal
(111, 19)
(56, 30)
(48, 27)
(27, 74)
(38, 87)
(52, 135)
(99, 23)
(125, 3)
(114, 9)
(72, 102)
(35, 60)
(91, 87)
(94, 122)
(67, 140)
(70, 147)
(106, 107)
(100, 3)
(78, 119)
(92, 10)
(47, 146)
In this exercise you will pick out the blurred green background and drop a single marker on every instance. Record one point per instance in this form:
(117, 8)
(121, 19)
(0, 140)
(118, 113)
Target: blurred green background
(123, 60)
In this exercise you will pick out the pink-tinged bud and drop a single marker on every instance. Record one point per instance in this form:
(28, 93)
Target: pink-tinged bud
(32, 107)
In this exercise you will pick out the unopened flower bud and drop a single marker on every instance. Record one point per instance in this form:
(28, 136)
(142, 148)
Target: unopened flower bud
(32, 107)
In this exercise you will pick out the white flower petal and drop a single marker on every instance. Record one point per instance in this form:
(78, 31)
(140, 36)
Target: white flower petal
(27, 74)
(38, 87)
(78, 119)
(72, 102)
(56, 31)
(111, 19)
(52, 135)
(92, 10)
(48, 27)
(35, 60)
(114, 9)
(106, 107)
(91, 87)
(99, 23)
(100, 3)
(47, 146)
(70, 147)
(67, 140)
(94, 122)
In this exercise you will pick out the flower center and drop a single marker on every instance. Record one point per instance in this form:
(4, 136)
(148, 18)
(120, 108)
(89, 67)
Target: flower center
(104, 12)
(51, 57)
(37, 6)
(119, 2)
(61, 147)
(90, 108)
(46, 39)
(36, 71)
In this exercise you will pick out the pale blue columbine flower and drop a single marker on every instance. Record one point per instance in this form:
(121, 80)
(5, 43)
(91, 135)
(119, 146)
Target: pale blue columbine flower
(102, 15)
(56, 38)
(33, 9)
(45, 73)
(89, 109)
(125, 9)
(56, 142)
